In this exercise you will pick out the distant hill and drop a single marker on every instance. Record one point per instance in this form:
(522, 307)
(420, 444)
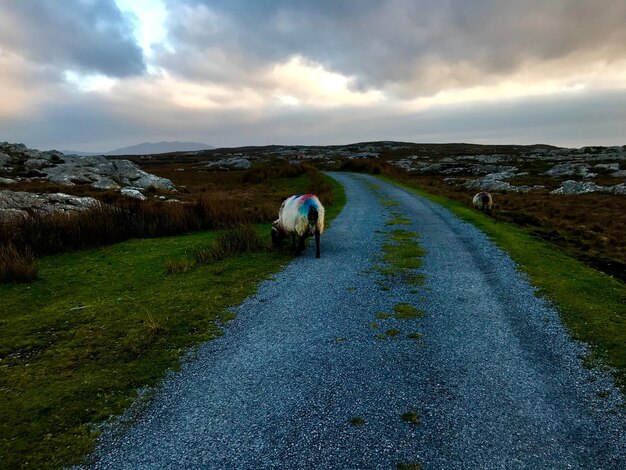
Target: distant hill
(77, 152)
(150, 148)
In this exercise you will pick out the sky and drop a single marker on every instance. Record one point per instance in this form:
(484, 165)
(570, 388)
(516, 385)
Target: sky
(94, 75)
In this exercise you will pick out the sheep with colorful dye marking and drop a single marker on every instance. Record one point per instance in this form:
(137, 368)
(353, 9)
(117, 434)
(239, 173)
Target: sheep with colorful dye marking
(483, 201)
(301, 215)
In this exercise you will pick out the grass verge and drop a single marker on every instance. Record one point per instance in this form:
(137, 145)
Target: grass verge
(102, 323)
(592, 304)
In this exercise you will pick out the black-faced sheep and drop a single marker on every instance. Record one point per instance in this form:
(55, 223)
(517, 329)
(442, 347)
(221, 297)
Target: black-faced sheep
(483, 202)
(301, 215)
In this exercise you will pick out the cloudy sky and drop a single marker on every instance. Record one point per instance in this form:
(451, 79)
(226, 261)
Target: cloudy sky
(93, 75)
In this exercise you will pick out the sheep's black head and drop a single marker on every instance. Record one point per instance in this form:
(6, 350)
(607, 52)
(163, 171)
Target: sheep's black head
(277, 234)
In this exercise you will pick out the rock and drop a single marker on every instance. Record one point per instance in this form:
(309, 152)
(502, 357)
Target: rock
(405, 164)
(105, 183)
(12, 213)
(581, 187)
(37, 163)
(235, 163)
(364, 155)
(134, 193)
(21, 201)
(576, 187)
(618, 189)
(497, 185)
(97, 171)
(619, 174)
(493, 182)
(4, 159)
(499, 176)
(569, 169)
(607, 166)
(6, 181)
(491, 159)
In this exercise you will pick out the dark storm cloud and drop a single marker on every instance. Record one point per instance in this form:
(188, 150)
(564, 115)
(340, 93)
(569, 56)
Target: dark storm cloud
(91, 36)
(416, 46)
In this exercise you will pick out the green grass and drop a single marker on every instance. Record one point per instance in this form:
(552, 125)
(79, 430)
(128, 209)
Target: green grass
(404, 311)
(399, 220)
(357, 421)
(401, 256)
(592, 304)
(99, 324)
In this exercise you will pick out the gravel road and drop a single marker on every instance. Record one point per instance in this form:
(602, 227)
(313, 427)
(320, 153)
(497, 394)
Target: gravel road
(495, 380)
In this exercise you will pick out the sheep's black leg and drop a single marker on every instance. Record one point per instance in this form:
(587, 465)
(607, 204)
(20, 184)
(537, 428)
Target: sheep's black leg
(317, 244)
(300, 246)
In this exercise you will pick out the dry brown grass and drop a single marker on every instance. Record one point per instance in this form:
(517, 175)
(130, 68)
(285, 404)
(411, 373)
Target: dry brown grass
(15, 265)
(213, 200)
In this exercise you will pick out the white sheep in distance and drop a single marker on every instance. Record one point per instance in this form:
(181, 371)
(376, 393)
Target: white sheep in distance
(301, 215)
(483, 201)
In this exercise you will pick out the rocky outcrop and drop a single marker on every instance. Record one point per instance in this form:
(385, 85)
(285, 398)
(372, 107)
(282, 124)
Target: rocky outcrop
(494, 182)
(233, 163)
(582, 187)
(570, 169)
(97, 171)
(20, 203)
(498, 185)
(134, 193)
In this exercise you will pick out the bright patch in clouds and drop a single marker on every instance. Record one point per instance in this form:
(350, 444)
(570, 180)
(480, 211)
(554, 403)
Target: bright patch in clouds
(89, 83)
(149, 27)
(299, 82)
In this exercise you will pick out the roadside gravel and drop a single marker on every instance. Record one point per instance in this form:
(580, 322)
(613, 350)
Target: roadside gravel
(495, 381)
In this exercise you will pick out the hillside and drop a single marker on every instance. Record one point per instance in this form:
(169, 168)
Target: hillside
(148, 148)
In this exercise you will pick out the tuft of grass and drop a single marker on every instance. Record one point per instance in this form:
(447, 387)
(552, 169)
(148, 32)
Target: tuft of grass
(388, 202)
(357, 421)
(415, 335)
(383, 316)
(399, 220)
(173, 266)
(392, 332)
(230, 243)
(154, 327)
(409, 466)
(404, 311)
(16, 266)
(373, 326)
(411, 417)
(380, 336)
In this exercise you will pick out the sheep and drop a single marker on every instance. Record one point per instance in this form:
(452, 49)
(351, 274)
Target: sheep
(483, 202)
(301, 215)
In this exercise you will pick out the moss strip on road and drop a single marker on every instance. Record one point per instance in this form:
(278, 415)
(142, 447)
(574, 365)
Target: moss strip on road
(592, 304)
